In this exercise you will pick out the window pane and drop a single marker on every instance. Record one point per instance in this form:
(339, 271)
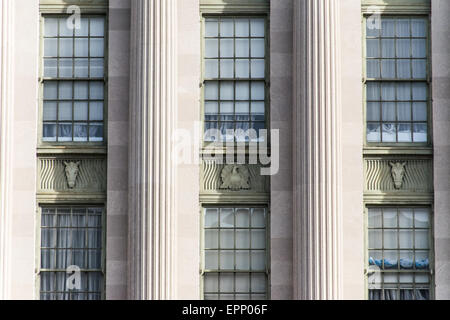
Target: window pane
(257, 27)
(227, 68)
(212, 69)
(51, 47)
(49, 113)
(211, 28)
(96, 111)
(243, 48)
(96, 132)
(97, 27)
(242, 27)
(51, 27)
(97, 48)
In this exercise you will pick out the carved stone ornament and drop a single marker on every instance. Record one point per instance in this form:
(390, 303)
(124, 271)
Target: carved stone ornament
(235, 177)
(72, 169)
(398, 173)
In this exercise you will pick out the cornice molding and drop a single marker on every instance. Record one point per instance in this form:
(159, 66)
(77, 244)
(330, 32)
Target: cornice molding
(61, 6)
(396, 6)
(234, 6)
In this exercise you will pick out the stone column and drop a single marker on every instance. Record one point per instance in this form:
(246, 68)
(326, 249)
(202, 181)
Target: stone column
(441, 133)
(6, 120)
(317, 154)
(151, 171)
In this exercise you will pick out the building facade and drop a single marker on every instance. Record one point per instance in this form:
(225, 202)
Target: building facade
(224, 149)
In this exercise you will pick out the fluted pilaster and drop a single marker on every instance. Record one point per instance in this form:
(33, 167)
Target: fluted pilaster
(151, 171)
(317, 112)
(6, 142)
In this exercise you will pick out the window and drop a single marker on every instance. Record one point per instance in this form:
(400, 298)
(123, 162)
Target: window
(235, 256)
(71, 236)
(234, 74)
(399, 254)
(73, 85)
(397, 89)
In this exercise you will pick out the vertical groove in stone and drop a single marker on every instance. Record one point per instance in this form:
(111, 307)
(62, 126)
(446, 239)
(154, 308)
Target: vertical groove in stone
(317, 109)
(152, 115)
(6, 140)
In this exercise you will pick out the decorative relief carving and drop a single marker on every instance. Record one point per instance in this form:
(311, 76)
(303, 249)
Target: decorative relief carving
(399, 175)
(235, 177)
(232, 178)
(72, 169)
(68, 175)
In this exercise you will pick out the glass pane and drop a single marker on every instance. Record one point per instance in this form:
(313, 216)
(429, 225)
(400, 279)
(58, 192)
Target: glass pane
(211, 239)
(243, 48)
(373, 132)
(258, 259)
(65, 132)
(227, 68)
(226, 218)
(388, 91)
(212, 68)
(419, 91)
(65, 28)
(258, 238)
(258, 48)
(373, 91)
(97, 27)
(242, 68)
(258, 282)
(375, 218)
(421, 218)
(389, 132)
(406, 218)
(50, 90)
(419, 27)
(81, 68)
(404, 69)
(226, 282)
(65, 68)
(96, 132)
(211, 218)
(242, 282)
(258, 68)
(242, 260)
(96, 111)
(420, 132)
(388, 48)
(49, 113)
(404, 132)
(65, 90)
(226, 260)
(211, 28)
(390, 218)
(242, 218)
(49, 132)
(242, 28)
(421, 239)
(258, 218)
(390, 239)
(226, 91)
(211, 91)
(83, 30)
(96, 90)
(97, 48)
(226, 28)
(50, 48)
(81, 90)
(419, 69)
(404, 91)
(406, 239)
(242, 91)
(373, 68)
(242, 239)
(419, 48)
(96, 68)
(226, 48)
(211, 48)
(420, 111)
(65, 111)
(404, 111)
(226, 239)
(211, 260)
(50, 27)
(258, 91)
(389, 111)
(403, 48)
(403, 28)
(50, 68)
(373, 48)
(257, 27)
(65, 47)
(375, 239)
(388, 69)
(211, 282)
(388, 28)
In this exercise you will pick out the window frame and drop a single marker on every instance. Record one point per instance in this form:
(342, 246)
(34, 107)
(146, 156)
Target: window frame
(73, 144)
(428, 81)
(204, 271)
(71, 206)
(431, 240)
(219, 145)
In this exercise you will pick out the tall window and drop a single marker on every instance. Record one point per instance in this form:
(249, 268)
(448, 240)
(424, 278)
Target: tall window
(235, 254)
(71, 241)
(74, 80)
(234, 76)
(396, 80)
(399, 254)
